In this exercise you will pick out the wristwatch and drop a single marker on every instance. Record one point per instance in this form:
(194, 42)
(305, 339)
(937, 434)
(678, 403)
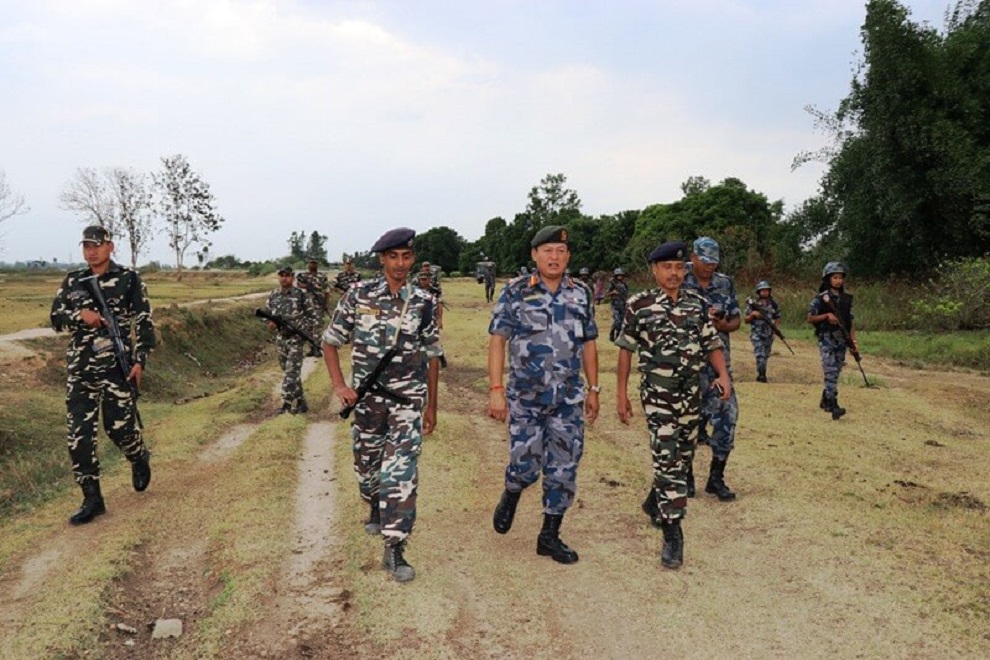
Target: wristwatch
(595, 388)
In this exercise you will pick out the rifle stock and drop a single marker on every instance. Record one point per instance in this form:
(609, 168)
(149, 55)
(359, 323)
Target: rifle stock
(371, 383)
(286, 324)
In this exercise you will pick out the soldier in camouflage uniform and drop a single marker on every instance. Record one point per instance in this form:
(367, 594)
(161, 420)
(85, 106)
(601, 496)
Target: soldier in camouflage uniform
(830, 311)
(401, 407)
(317, 288)
(292, 304)
(346, 277)
(546, 320)
(95, 381)
(670, 331)
(719, 292)
(618, 291)
(584, 277)
(760, 312)
(490, 283)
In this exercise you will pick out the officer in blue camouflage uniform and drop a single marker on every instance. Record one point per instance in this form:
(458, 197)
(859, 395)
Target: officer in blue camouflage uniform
(830, 311)
(392, 418)
(547, 322)
(96, 383)
(719, 292)
(761, 311)
(292, 304)
(671, 333)
(317, 288)
(618, 291)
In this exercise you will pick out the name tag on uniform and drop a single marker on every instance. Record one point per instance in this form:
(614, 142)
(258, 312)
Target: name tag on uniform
(368, 311)
(534, 296)
(101, 344)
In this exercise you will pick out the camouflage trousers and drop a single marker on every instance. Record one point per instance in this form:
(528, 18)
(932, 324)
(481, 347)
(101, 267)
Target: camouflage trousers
(762, 345)
(87, 397)
(672, 419)
(548, 439)
(388, 438)
(833, 355)
(617, 314)
(721, 414)
(314, 324)
(290, 359)
(489, 291)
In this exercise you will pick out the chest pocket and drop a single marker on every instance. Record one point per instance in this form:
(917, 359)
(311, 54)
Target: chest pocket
(369, 327)
(534, 319)
(576, 315)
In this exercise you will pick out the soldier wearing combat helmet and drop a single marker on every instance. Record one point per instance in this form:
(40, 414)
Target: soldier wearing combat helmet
(391, 419)
(96, 382)
(546, 321)
(831, 312)
(762, 311)
(618, 291)
(671, 333)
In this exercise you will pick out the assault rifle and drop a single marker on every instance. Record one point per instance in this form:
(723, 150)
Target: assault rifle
(288, 326)
(776, 331)
(120, 352)
(373, 384)
(845, 333)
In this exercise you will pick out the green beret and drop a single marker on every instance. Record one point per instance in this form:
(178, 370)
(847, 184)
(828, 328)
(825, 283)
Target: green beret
(551, 234)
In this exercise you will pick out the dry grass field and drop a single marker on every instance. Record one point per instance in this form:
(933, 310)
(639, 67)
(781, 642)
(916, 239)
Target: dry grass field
(866, 537)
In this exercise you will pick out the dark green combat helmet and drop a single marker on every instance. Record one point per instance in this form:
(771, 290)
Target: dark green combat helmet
(833, 267)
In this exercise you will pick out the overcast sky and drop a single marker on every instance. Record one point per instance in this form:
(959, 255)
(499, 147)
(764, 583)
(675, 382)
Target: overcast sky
(354, 117)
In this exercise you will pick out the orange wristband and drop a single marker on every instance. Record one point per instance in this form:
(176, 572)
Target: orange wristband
(492, 388)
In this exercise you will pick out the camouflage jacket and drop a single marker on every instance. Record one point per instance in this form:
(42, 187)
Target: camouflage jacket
(127, 299)
(546, 332)
(671, 339)
(770, 310)
(720, 296)
(843, 302)
(316, 286)
(368, 317)
(291, 304)
(345, 280)
(621, 289)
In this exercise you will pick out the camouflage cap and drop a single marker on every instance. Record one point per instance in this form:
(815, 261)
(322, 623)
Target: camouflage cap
(285, 269)
(393, 239)
(96, 235)
(669, 251)
(550, 234)
(706, 248)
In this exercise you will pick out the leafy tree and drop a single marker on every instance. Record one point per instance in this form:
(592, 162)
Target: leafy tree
(440, 246)
(297, 246)
(550, 203)
(316, 247)
(11, 203)
(227, 262)
(132, 208)
(186, 205)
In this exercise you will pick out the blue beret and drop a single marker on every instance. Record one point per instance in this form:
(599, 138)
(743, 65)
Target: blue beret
(550, 234)
(669, 251)
(400, 237)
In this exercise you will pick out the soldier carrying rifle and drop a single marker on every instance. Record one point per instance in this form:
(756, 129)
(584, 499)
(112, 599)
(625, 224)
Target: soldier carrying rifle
(99, 305)
(388, 320)
(289, 303)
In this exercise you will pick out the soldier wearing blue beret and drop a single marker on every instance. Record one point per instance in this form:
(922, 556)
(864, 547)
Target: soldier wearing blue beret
(547, 322)
(669, 329)
(388, 319)
(719, 292)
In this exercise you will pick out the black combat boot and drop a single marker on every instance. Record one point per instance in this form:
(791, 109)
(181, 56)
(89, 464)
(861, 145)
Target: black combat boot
(92, 504)
(505, 512)
(548, 543)
(284, 409)
(761, 375)
(825, 404)
(396, 564)
(651, 509)
(672, 555)
(690, 479)
(141, 471)
(374, 524)
(716, 481)
(301, 408)
(834, 407)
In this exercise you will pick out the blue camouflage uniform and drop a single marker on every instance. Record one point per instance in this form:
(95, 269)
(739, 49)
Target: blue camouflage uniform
(831, 340)
(545, 332)
(760, 333)
(721, 297)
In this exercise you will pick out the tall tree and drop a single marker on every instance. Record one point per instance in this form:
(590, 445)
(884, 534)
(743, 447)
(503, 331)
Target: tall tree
(11, 203)
(440, 246)
(132, 202)
(297, 245)
(551, 203)
(316, 247)
(90, 194)
(186, 205)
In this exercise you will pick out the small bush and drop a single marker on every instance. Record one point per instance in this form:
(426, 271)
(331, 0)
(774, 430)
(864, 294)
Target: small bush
(958, 297)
